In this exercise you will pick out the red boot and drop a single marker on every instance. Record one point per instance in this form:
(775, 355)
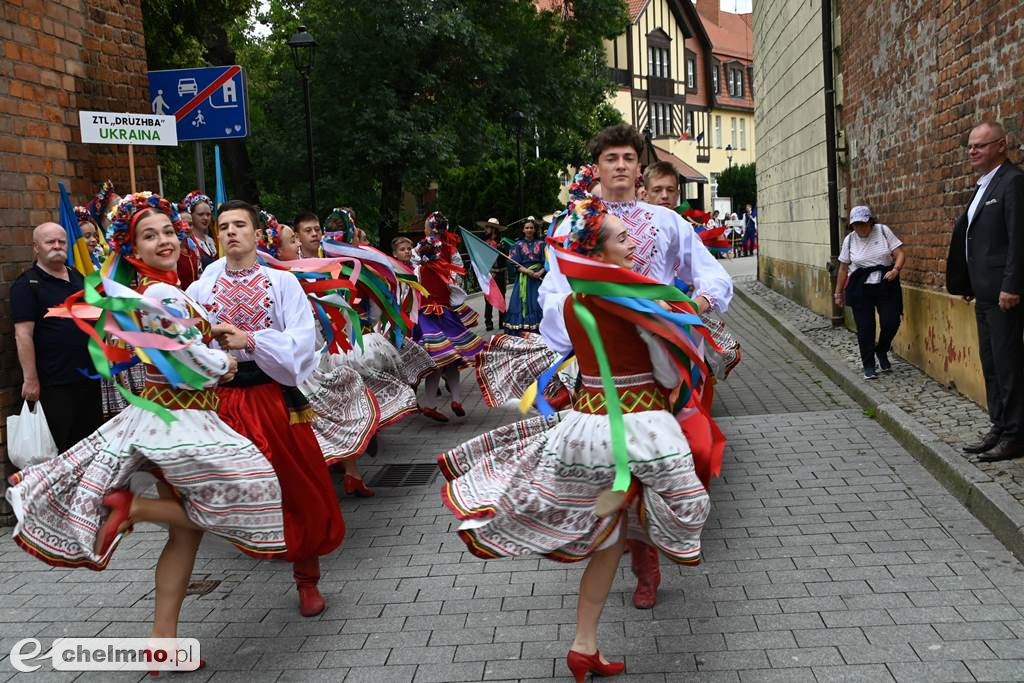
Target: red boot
(356, 486)
(307, 576)
(644, 558)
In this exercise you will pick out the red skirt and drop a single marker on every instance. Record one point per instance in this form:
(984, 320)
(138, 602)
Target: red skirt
(313, 524)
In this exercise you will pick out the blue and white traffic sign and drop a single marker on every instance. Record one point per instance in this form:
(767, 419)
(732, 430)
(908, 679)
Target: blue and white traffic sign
(208, 103)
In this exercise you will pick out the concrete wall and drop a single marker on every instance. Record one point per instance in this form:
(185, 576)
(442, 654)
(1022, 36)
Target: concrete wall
(791, 177)
(59, 57)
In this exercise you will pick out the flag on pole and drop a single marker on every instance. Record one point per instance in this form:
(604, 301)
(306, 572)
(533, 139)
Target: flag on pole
(222, 196)
(483, 257)
(78, 251)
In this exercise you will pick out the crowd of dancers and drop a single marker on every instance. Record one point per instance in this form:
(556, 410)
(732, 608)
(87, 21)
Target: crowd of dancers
(242, 358)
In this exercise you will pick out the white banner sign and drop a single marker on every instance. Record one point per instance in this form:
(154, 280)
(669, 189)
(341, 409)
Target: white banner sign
(111, 128)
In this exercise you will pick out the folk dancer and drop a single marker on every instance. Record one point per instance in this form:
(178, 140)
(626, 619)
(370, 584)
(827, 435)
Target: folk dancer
(263, 317)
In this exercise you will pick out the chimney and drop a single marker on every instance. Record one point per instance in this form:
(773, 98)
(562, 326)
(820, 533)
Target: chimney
(709, 10)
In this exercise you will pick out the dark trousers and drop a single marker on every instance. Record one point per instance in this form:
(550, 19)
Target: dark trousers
(888, 302)
(73, 411)
(1000, 336)
(748, 244)
(500, 279)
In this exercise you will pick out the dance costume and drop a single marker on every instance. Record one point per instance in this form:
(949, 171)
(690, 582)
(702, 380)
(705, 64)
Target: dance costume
(441, 332)
(531, 487)
(524, 312)
(264, 403)
(224, 483)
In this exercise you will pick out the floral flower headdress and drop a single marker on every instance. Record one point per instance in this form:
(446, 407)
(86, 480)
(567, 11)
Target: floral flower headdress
(84, 216)
(196, 197)
(129, 209)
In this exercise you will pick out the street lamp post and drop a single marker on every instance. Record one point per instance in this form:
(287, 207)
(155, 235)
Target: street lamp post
(728, 154)
(518, 119)
(303, 52)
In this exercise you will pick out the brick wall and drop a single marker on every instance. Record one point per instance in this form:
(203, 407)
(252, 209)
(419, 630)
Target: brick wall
(59, 57)
(918, 75)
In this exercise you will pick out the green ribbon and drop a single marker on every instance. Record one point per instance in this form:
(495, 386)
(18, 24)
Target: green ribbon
(636, 291)
(617, 425)
(523, 279)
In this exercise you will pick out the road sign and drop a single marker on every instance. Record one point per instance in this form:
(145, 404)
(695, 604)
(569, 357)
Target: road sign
(207, 103)
(112, 128)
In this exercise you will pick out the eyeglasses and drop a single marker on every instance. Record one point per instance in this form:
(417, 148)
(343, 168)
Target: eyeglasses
(983, 145)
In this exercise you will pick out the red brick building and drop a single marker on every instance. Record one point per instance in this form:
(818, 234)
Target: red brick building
(911, 79)
(59, 57)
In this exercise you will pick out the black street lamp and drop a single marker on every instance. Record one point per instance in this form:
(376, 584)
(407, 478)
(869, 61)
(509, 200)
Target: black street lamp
(303, 53)
(518, 119)
(728, 154)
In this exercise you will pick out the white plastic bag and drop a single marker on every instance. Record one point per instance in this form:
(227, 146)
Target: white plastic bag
(29, 441)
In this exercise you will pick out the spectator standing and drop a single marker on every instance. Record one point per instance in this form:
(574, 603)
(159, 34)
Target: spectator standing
(986, 264)
(52, 350)
(869, 280)
(749, 231)
(499, 271)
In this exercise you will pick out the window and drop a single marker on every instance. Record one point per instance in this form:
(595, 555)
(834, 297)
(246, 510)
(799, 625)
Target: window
(715, 69)
(718, 132)
(658, 62)
(661, 119)
(689, 124)
(739, 82)
(733, 142)
(743, 133)
(714, 185)
(691, 74)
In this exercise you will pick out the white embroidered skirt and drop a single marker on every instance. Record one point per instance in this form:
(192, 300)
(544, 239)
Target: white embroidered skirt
(347, 414)
(530, 487)
(226, 486)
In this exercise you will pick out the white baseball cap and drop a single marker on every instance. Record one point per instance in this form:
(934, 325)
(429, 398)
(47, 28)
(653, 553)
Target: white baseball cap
(860, 214)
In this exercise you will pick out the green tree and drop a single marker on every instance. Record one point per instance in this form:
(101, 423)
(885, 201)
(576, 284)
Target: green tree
(405, 90)
(476, 193)
(740, 183)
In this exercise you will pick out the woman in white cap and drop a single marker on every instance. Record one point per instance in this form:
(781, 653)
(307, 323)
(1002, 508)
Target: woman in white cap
(869, 280)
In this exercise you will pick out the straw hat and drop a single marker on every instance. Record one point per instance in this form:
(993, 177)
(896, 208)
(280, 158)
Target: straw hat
(491, 223)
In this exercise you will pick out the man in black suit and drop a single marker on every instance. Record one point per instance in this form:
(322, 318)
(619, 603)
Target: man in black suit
(986, 263)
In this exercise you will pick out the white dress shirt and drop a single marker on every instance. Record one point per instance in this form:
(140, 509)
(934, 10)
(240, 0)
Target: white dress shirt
(983, 182)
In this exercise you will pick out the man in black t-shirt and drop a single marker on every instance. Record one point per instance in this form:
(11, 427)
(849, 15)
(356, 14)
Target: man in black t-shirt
(52, 351)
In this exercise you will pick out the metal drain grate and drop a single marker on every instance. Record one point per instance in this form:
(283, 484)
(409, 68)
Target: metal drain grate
(419, 474)
(202, 587)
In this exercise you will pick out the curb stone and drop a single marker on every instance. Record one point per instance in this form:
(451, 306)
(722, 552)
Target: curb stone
(984, 498)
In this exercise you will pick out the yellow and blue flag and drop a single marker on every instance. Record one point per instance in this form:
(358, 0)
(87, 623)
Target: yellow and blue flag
(78, 251)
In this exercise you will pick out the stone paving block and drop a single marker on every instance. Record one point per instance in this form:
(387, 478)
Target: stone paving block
(882, 635)
(803, 657)
(442, 673)
(878, 654)
(732, 660)
(760, 640)
(522, 669)
(996, 670)
(930, 672)
(380, 674)
(870, 673)
(831, 636)
(777, 676)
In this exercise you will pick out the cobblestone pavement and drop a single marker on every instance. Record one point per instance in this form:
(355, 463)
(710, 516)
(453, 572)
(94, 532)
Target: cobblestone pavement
(952, 417)
(831, 555)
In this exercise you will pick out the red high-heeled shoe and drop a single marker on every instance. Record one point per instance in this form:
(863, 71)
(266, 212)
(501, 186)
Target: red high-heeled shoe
(580, 665)
(120, 503)
(434, 414)
(458, 409)
(356, 486)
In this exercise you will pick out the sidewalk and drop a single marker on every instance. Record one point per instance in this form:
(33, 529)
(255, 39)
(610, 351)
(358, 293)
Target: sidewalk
(831, 555)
